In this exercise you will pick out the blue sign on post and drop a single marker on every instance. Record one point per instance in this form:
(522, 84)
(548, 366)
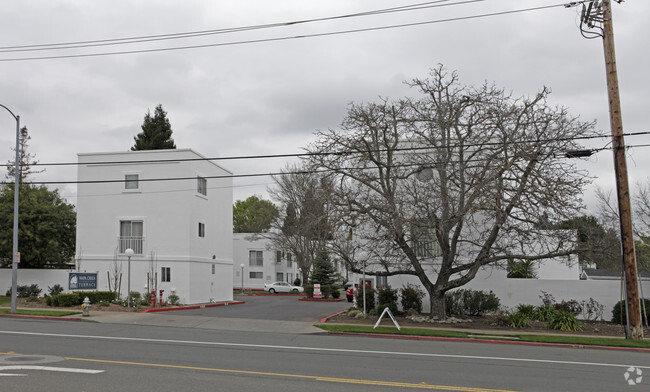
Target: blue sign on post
(82, 281)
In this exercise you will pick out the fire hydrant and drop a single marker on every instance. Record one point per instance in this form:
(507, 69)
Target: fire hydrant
(86, 307)
(161, 297)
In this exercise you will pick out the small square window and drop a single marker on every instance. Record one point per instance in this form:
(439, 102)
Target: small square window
(166, 274)
(131, 181)
(201, 229)
(202, 186)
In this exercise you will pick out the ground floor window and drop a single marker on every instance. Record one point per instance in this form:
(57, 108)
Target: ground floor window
(166, 274)
(382, 281)
(279, 276)
(255, 275)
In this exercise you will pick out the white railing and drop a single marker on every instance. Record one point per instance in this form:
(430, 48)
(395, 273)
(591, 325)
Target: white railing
(135, 243)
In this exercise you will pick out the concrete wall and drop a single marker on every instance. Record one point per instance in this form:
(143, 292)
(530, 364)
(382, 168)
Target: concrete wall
(512, 292)
(44, 278)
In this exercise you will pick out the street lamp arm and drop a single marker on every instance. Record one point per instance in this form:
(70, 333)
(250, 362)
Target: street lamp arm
(12, 113)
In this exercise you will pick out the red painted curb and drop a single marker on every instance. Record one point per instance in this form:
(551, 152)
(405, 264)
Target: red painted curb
(321, 300)
(41, 317)
(470, 340)
(192, 307)
(324, 320)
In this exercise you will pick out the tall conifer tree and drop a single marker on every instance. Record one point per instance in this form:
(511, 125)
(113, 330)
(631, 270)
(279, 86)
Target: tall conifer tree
(156, 132)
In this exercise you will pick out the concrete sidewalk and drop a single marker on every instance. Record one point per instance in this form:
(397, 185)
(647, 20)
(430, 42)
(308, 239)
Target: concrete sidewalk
(171, 319)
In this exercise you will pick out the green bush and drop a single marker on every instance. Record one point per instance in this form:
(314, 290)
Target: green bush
(309, 290)
(619, 312)
(48, 301)
(336, 292)
(544, 312)
(32, 299)
(412, 298)
(26, 291)
(71, 299)
(519, 320)
(527, 310)
(173, 299)
(96, 296)
(471, 302)
(55, 290)
(564, 320)
(370, 297)
(387, 298)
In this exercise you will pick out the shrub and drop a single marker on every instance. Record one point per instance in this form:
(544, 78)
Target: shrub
(32, 299)
(544, 312)
(527, 310)
(336, 292)
(619, 312)
(519, 319)
(412, 298)
(71, 299)
(471, 302)
(48, 301)
(309, 290)
(387, 298)
(55, 290)
(592, 310)
(173, 299)
(572, 306)
(564, 321)
(96, 296)
(370, 297)
(296, 282)
(26, 291)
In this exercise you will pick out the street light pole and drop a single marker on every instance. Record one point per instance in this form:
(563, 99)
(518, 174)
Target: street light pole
(128, 253)
(15, 254)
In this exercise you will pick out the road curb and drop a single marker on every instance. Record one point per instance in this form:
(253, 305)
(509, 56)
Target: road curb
(192, 307)
(27, 316)
(493, 341)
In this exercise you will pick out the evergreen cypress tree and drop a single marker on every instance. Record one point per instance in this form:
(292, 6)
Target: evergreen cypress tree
(156, 132)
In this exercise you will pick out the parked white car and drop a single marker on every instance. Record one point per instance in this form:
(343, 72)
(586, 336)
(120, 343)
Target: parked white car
(282, 287)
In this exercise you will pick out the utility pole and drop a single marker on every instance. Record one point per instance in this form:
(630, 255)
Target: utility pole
(593, 15)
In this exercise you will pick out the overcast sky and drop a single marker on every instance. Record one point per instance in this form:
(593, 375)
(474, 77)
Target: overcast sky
(232, 97)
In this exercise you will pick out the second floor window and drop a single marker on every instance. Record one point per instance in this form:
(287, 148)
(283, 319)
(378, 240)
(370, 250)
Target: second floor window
(202, 186)
(256, 258)
(201, 229)
(131, 181)
(131, 236)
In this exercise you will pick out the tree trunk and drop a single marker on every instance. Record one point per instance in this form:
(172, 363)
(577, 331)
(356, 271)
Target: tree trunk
(437, 307)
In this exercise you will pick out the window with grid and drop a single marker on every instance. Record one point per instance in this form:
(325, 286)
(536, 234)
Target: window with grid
(289, 260)
(202, 186)
(256, 258)
(278, 256)
(279, 276)
(131, 236)
(166, 274)
(255, 275)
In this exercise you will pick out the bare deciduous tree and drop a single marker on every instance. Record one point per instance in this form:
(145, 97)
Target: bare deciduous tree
(306, 223)
(459, 178)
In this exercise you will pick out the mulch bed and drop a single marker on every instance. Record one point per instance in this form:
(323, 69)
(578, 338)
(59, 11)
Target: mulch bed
(596, 328)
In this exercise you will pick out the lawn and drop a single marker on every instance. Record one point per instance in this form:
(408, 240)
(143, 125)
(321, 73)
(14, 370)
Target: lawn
(570, 340)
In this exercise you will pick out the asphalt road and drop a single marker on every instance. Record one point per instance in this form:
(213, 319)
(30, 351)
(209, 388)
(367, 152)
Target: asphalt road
(271, 307)
(64, 356)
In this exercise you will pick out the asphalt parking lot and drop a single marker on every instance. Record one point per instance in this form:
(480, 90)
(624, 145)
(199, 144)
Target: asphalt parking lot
(271, 307)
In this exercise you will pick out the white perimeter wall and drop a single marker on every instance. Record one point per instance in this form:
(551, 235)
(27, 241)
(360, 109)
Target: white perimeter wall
(44, 278)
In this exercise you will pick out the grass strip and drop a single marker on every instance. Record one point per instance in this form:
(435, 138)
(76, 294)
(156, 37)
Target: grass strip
(556, 339)
(38, 312)
(5, 301)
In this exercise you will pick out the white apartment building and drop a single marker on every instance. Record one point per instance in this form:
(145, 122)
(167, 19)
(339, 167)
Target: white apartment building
(173, 208)
(257, 261)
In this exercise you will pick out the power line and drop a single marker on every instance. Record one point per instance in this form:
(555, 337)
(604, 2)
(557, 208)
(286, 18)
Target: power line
(306, 154)
(191, 34)
(271, 174)
(264, 40)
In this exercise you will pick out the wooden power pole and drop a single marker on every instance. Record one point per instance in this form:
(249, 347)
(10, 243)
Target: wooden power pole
(622, 187)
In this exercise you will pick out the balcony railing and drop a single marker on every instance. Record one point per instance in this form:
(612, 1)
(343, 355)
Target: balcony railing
(135, 243)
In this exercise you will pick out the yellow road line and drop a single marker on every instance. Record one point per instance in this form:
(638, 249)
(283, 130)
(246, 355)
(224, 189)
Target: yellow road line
(315, 378)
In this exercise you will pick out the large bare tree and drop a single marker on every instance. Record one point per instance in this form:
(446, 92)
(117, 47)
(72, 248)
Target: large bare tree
(306, 221)
(457, 178)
